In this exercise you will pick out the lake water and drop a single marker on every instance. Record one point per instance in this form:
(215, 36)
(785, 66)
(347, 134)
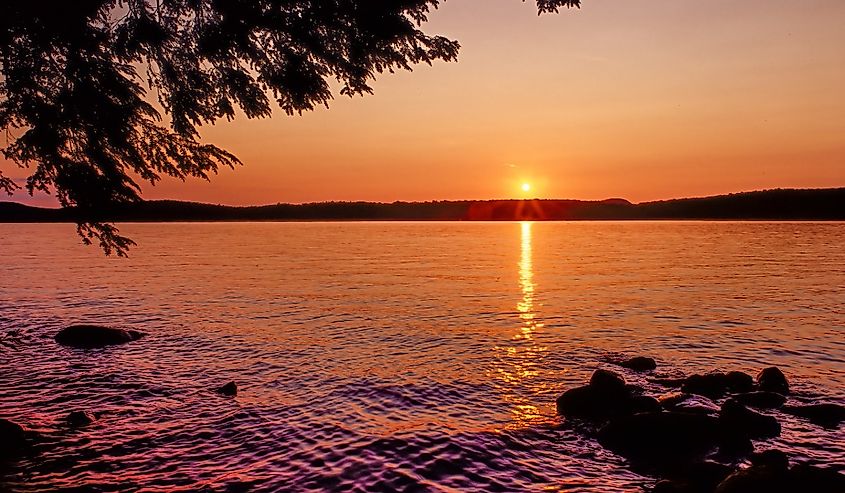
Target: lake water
(394, 356)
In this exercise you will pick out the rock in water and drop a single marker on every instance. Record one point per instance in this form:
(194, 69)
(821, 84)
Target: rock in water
(696, 477)
(13, 438)
(756, 479)
(760, 399)
(737, 420)
(606, 396)
(712, 385)
(639, 363)
(828, 415)
(662, 438)
(230, 389)
(773, 380)
(738, 381)
(94, 336)
(804, 477)
(79, 418)
(607, 381)
(696, 404)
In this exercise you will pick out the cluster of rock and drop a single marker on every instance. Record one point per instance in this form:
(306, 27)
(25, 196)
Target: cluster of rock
(688, 439)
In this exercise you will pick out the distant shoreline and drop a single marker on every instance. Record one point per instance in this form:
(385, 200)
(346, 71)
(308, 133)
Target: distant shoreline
(781, 205)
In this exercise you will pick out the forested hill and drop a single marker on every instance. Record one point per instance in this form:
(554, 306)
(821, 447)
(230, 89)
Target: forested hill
(786, 204)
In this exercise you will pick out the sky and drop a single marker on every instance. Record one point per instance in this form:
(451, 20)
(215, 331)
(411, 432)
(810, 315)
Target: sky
(640, 99)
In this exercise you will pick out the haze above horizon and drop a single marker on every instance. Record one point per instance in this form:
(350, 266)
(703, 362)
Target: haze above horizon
(642, 100)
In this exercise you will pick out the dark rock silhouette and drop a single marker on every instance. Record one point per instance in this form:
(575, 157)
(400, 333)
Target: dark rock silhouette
(755, 479)
(696, 477)
(806, 477)
(761, 399)
(773, 380)
(689, 403)
(828, 415)
(739, 421)
(772, 458)
(638, 363)
(606, 396)
(79, 418)
(738, 381)
(712, 385)
(661, 438)
(95, 336)
(13, 439)
(230, 389)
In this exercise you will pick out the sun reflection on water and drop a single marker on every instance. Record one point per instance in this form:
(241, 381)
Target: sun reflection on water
(521, 360)
(526, 283)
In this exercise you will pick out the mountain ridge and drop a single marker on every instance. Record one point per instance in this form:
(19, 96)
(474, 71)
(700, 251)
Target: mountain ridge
(773, 204)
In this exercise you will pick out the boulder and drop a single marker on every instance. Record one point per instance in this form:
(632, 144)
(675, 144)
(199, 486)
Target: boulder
(639, 363)
(738, 382)
(13, 439)
(605, 397)
(737, 420)
(662, 439)
(772, 458)
(688, 403)
(827, 415)
(773, 380)
(607, 381)
(230, 389)
(696, 477)
(761, 399)
(713, 385)
(79, 418)
(95, 336)
(756, 479)
(805, 477)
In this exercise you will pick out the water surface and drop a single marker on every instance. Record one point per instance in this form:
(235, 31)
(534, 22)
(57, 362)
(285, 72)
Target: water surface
(394, 356)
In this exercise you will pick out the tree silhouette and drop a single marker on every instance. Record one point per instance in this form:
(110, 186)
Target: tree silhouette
(84, 84)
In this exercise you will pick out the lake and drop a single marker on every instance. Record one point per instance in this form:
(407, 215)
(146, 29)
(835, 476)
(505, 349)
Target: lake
(395, 356)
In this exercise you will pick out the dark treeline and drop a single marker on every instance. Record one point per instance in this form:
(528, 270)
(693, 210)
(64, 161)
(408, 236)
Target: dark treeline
(814, 204)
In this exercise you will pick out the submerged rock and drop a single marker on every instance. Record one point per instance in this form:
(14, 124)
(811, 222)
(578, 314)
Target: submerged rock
(828, 415)
(761, 399)
(230, 389)
(737, 420)
(94, 336)
(606, 396)
(13, 438)
(661, 438)
(638, 363)
(773, 380)
(79, 418)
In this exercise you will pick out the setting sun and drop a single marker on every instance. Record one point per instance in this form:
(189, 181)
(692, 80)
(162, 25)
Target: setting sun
(526, 187)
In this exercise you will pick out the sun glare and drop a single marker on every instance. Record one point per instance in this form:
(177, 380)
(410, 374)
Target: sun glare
(526, 187)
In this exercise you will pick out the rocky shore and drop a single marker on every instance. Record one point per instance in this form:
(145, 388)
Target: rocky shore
(703, 434)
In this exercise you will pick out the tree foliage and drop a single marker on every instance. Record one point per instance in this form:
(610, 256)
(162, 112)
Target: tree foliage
(97, 95)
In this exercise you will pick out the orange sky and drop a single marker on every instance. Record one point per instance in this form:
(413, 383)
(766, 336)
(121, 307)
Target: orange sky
(642, 99)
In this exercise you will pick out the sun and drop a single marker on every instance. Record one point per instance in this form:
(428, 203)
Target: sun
(526, 187)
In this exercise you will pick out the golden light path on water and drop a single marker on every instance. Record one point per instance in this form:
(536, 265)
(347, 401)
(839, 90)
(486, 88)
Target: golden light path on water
(524, 355)
(526, 282)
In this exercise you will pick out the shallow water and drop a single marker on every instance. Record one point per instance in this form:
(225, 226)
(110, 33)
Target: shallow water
(394, 356)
